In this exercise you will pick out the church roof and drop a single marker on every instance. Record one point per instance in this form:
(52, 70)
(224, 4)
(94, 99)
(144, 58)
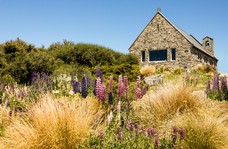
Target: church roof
(189, 37)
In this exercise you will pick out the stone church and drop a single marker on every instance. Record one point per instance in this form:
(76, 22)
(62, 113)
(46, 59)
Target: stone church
(162, 43)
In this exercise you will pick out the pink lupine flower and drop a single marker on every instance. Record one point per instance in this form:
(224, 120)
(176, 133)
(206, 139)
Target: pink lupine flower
(118, 110)
(98, 87)
(181, 133)
(138, 90)
(120, 133)
(125, 86)
(110, 117)
(156, 142)
(120, 87)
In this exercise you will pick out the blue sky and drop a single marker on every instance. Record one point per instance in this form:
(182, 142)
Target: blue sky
(111, 23)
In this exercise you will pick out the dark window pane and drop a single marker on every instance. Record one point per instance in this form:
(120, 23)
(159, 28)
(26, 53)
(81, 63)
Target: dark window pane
(173, 54)
(143, 56)
(158, 55)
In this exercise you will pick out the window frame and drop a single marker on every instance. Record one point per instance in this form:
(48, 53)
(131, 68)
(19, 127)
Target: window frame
(173, 54)
(159, 60)
(143, 51)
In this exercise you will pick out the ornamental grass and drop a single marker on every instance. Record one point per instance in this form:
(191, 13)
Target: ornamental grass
(53, 123)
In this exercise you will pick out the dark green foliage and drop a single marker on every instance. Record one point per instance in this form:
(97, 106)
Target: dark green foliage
(18, 60)
(89, 54)
(125, 69)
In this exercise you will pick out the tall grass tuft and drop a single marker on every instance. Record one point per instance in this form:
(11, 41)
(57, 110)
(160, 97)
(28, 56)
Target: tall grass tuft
(169, 100)
(147, 70)
(206, 129)
(53, 123)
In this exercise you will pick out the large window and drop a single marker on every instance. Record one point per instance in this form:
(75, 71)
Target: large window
(158, 55)
(143, 56)
(173, 54)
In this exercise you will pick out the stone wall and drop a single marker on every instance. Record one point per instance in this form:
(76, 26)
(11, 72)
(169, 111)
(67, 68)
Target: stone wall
(160, 34)
(198, 57)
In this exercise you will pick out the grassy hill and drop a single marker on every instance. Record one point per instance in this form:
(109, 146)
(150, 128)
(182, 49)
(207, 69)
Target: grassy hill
(109, 106)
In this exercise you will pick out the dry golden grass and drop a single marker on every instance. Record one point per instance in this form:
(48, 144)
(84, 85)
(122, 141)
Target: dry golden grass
(147, 70)
(204, 68)
(169, 100)
(206, 129)
(53, 123)
(205, 121)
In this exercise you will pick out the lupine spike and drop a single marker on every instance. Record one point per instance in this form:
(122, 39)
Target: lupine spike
(110, 83)
(181, 133)
(138, 90)
(84, 87)
(75, 86)
(125, 86)
(224, 84)
(118, 110)
(144, 90)
(110, 98)
(98, 87)
(216, 83)
(103, 93)
(156, 142)
(208, 87)
(99, 73)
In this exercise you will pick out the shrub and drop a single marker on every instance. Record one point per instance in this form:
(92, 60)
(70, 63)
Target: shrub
(53, 123)
(147, 70)
(204, 68)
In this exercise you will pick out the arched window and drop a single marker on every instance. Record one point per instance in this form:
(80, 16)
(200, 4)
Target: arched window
(207, 43)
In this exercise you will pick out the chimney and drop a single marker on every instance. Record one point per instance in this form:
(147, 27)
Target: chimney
(208, 45)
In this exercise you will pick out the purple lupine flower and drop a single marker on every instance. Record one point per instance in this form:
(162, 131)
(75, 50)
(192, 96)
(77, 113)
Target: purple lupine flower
(151, 132)
(34, 76)
(99, 73)
(224, 84)
(138, 90)
(181, 133)
(15, 111)
(120, 88)
(125, 86)
(84, 87)
(102, 93)
(94, 91)
(137, 129)
(44, 76)
(156, 142)
(110, 98)
(208, 87)
(174, 134)
(143, 130)
(216, 83)
(10, 113)
(101, 134)
(144, 90)
(110, 83)
(224, 87)
(75, 86)
(130, 126)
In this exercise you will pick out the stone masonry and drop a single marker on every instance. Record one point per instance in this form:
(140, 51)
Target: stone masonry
(161, 34)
